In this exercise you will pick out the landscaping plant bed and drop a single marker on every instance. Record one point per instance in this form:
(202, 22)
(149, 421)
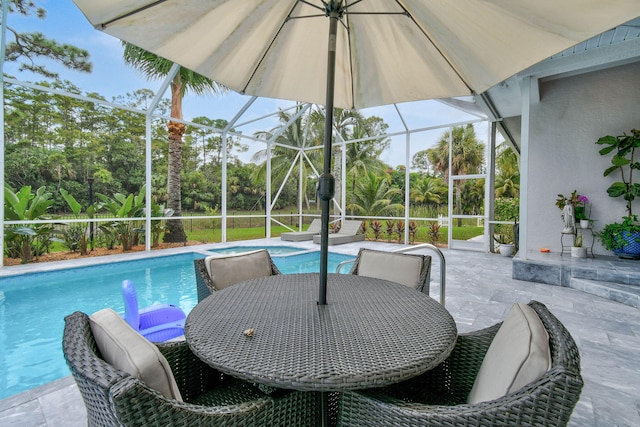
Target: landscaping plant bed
(67, 255)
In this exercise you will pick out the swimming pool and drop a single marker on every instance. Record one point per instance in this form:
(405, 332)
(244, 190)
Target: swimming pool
(33, 306)
(309, 262)
(273, 250)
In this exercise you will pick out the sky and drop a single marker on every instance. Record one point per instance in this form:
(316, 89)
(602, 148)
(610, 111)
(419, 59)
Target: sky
(110, 77)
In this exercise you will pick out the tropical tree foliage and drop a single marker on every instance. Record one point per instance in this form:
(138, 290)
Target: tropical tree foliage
(30, 49)
(373, 197)
(467, 158)
(508, 172)
(288, 143)
(363, 155)
(429, 190)
(59, 143)
(210, 142)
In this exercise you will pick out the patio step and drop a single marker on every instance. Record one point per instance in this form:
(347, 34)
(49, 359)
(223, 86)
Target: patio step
(622, 293)
(604, 276)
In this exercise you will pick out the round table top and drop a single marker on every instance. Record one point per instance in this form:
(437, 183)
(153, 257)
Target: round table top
(370, 333)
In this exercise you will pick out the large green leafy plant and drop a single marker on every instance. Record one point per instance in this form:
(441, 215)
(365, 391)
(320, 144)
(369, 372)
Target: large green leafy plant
(21, 240)
(75, 234)
(622, 148)
(122, 208)
(158, 226)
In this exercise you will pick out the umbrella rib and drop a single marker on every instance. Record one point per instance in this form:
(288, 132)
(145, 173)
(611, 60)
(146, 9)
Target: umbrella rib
(377, 13)
(133, 12)
(291, 18)
(313, 5)
(346, 26)
(436, 47)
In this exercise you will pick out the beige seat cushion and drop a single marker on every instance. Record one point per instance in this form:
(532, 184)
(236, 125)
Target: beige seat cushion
(518, 355)
(230, 269)
(125, 349)
(399, 268)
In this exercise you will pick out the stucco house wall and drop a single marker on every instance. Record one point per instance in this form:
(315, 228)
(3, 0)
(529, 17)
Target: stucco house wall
(572, 114)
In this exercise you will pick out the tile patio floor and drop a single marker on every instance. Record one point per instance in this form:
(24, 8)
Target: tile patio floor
(479, 291)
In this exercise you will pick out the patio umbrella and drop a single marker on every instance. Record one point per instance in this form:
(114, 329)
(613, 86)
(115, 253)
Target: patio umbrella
(355, 53)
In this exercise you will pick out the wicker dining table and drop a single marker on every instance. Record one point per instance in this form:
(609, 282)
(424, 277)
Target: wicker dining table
(271, 331)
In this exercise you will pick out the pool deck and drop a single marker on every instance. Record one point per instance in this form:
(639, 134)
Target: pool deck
(479, 292)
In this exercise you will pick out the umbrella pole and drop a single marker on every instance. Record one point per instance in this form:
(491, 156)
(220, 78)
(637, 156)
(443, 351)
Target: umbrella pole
(326, 182)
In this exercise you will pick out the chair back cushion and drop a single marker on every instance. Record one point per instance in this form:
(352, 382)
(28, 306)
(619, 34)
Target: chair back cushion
(518, 355)
(399, 268)
(230, 269)
(127, 350)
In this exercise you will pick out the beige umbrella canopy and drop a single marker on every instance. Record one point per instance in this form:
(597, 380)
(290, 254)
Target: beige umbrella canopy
(356, 53)
(387, 51)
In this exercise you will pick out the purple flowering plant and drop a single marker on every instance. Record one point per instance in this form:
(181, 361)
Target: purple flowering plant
(578, 201)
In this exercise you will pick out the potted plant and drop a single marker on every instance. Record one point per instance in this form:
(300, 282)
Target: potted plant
(506, 235)
(577, 250)
(581, 210)
(574, 210)
(506, 248)
(623, 238)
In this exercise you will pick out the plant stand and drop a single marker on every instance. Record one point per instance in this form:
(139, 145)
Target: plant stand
(586, 233)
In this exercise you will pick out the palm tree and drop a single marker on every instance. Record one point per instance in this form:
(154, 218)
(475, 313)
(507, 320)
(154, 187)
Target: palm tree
(508, 175)
(361, 156)
(467, 157)
(372, 197)
(185, 80)
(428, 189)
(343, 120)
(295, 135)
(364, 156)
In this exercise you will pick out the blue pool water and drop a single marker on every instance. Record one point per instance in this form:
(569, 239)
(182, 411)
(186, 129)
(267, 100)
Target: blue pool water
(309, 262)
(33, 306)
(273, 250)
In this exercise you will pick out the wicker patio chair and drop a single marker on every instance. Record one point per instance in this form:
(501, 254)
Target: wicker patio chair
(114, 398)
(438, 397)
(408, 269)
(219, 271)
